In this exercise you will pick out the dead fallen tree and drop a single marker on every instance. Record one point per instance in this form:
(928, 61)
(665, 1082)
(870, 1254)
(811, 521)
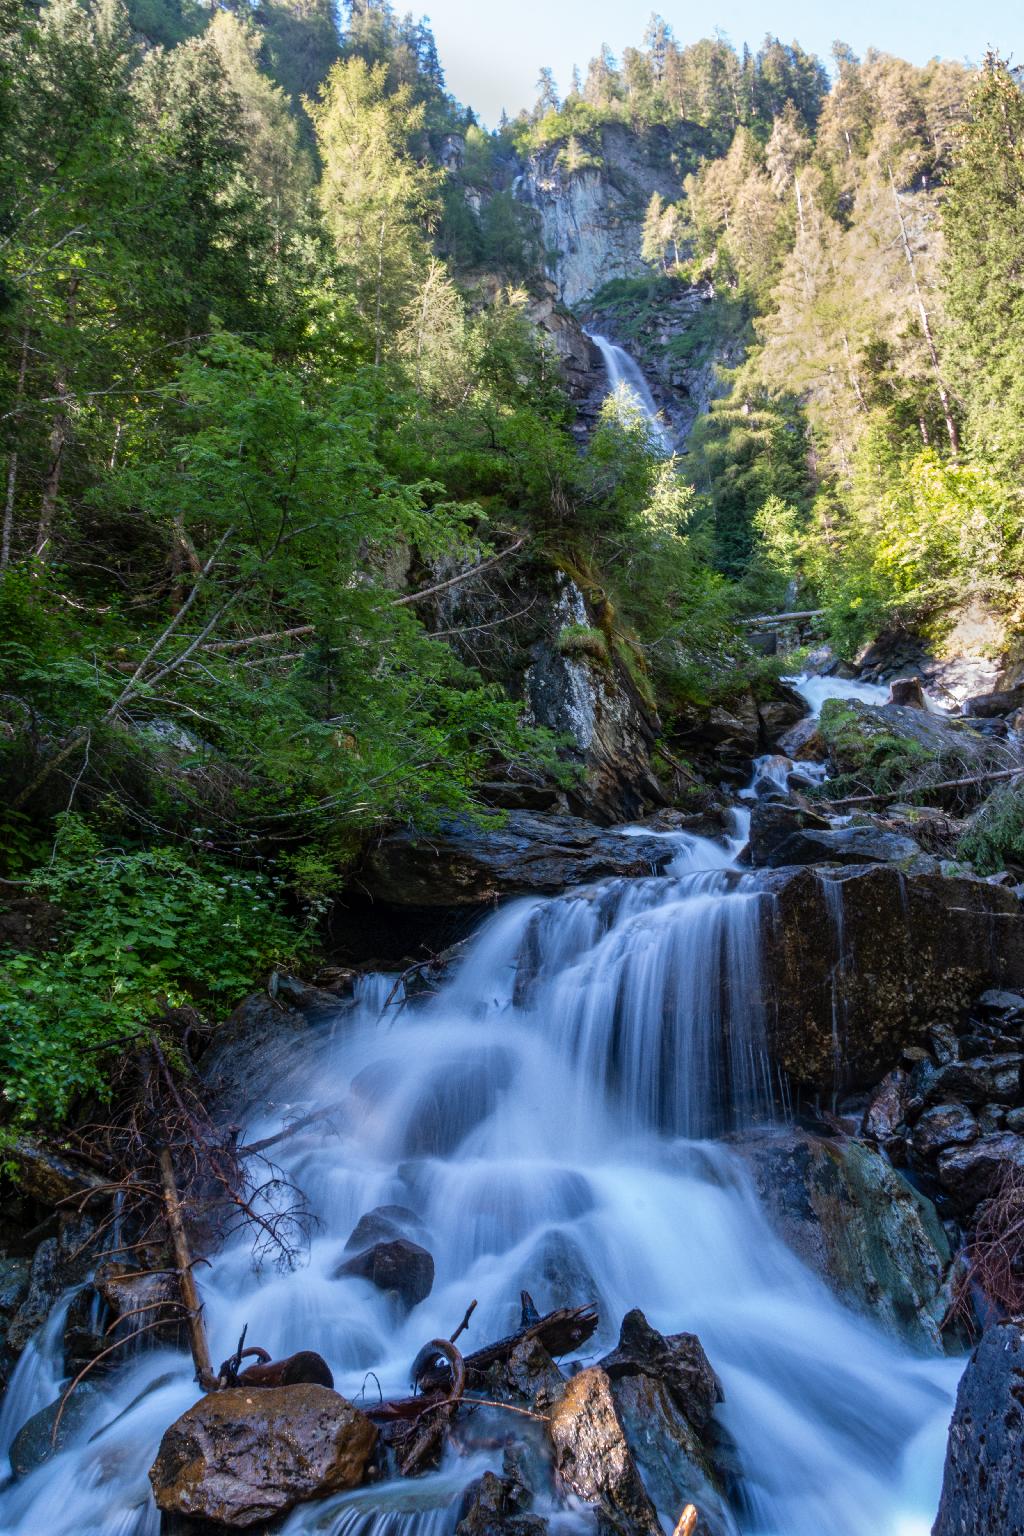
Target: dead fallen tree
(885, 797)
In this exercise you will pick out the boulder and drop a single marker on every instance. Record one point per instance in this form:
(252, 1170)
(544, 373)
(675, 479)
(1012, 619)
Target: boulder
(842, 845)
(678, 1361)
(36, 1442)
(862, 960)
(664, 1392)
(883, 747)
(974, 1172)
(772, 822)
(983, 1479)
(908, 692)
(887, 1109)
(984, 1079)
(804, 742)
(593, 1459)
(382, 1225)
(399, 1266)
(858, 1224)
(779, 714)
(240, 1457)
(986, 706)
(944, 1125)
(529, 854)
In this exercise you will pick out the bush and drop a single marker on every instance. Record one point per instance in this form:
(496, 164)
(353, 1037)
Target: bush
(144, 931)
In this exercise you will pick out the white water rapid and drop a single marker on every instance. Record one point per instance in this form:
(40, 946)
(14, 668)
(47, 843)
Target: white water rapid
(549, 1117)
(623, 373)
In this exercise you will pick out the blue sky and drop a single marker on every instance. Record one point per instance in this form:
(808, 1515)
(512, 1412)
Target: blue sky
(492, 50)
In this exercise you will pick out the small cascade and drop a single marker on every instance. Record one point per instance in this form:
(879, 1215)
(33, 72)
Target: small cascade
(546, 1116)
(623, 372)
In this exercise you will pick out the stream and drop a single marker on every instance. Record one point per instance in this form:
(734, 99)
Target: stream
(550, 1116)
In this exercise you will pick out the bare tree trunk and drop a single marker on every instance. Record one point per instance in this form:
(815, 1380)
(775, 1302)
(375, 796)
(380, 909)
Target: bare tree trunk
(12, 465)
(60, 433)
(853, 373)
(377, 345)
(954, 436)
(186, 1280)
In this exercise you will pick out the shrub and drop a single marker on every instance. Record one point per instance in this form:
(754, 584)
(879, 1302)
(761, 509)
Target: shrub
(995, 835)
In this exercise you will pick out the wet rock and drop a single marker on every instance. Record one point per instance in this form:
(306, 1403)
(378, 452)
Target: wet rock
(240, 1457)
(892, 953)
(853, 1219)
(678, 1361)
(1014, 1121)
(44, 1285)
(529, 1375)
(983, 1479)
(382, 1225)
(974, 1173)
(593, 1458)
(804, 742)
(887, 1109)
(14, 1283)
(773, 822)
(944, 1125)
(35, 1441)
(251, 1059)
(995, 1001)
(843, 845)
(399, 1266)
(463, 865)
(496, 1506)
(995, 1079)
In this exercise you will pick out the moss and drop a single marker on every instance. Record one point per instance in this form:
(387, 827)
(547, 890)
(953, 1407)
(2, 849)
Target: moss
(581, 640)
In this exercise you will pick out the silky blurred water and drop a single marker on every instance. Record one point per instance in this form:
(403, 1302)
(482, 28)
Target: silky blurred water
(549, 1116)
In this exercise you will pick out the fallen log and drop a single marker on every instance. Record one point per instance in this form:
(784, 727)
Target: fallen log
(559, 1332)
(885, 796)
(183, 1260)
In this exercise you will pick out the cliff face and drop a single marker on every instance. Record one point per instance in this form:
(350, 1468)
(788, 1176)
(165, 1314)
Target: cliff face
(592, 217)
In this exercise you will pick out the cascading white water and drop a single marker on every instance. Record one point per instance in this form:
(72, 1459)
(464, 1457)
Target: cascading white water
(542, 1116)
(623, 372)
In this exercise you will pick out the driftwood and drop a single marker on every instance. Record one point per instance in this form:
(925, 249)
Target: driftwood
(687, 1522)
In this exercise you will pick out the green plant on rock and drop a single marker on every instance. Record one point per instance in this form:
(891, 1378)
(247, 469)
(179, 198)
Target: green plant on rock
(995, 834)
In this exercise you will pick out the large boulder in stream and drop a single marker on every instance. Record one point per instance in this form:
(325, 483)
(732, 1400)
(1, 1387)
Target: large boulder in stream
(593, 1458)
(859, 1225)
(884, 747)
(527, 854)
(983, 1480)
(398, 1265)
(860, 961)
(240, 1457)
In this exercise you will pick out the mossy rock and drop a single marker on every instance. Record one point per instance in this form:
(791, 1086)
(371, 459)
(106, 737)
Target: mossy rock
(891, 748)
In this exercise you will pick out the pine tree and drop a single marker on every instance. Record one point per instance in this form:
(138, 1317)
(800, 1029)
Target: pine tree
(983, 220)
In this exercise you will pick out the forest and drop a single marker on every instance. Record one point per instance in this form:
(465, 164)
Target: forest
(269, 379)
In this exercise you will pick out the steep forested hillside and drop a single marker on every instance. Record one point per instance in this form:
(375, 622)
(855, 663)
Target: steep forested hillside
(277, 371)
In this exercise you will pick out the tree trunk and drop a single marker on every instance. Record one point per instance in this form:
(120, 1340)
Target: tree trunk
(7, 535)
(186, 1281)
(947, 412)
(60, 434)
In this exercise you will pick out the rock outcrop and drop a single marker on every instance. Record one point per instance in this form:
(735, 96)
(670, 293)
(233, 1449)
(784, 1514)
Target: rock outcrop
(240, 1457)
(592, 216)
(593, 1459)
(983, 1480)
(861, 961)
(530, 854)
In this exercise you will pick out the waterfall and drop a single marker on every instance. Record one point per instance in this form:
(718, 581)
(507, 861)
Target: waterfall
(546, 1115)
(623, 373)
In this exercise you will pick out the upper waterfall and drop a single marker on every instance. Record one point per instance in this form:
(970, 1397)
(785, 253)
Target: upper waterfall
(623, 373)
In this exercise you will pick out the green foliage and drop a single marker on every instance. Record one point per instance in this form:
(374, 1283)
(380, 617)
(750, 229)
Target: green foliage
(995, 834)
(141, 932)
(579, 640)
